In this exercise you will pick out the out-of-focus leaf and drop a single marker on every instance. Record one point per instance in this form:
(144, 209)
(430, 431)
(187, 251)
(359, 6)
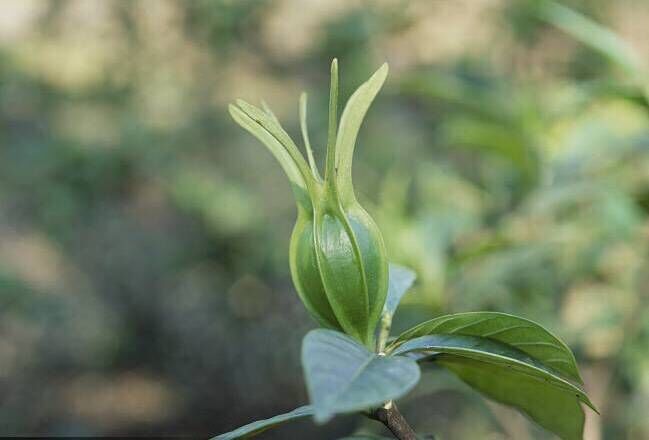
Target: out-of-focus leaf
(400, 280)
(343, 376)
(504, 140)
(259, 426)
(590, 33)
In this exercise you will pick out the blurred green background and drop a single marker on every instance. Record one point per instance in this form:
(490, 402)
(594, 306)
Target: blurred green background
(144, 283)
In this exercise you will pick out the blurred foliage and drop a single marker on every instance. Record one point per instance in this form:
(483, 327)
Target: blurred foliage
(144, 284)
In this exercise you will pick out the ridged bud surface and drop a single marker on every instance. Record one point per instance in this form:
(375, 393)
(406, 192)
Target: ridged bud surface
(337, 256)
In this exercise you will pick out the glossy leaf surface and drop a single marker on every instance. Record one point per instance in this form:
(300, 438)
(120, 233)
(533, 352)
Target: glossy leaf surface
(519, 333)
(509, 359)
(555, 409)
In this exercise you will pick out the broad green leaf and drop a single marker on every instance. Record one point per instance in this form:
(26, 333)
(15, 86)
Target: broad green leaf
(512, 360)
(492, 352)
(342, 376)
(350, 123)
(400, 279)
(259, 426)
(555, 409)
(520, 333)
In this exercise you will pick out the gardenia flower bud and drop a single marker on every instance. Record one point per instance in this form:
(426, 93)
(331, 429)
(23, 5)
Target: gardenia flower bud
(337, 256)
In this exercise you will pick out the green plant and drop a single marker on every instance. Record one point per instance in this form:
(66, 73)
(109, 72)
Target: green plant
(339, 266)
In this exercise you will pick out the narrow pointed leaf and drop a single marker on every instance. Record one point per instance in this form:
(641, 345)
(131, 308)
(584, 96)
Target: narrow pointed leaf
(350, 123)
(519, 333)
(276, 148)
(343, 376)
(591, 34)
(400, 279)
(331, 161)
(270, 112)
(271, 124)
(305, 136)
(259, 426)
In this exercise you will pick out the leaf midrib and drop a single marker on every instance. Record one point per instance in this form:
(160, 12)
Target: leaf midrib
(557, 343)
(485, 357)
(355, 376)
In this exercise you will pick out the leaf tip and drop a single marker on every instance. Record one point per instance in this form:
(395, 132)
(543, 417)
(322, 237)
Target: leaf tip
(382, 73)
(584, 398)
(266, 107)
(236, 113)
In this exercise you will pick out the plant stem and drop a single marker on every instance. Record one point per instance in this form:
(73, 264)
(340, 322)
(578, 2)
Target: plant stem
(384, 332)
(390, 416)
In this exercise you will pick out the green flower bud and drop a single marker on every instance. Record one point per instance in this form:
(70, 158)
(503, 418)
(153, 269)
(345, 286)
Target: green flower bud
(337, 256)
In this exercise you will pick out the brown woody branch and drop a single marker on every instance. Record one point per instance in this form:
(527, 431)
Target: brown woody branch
(390, 416)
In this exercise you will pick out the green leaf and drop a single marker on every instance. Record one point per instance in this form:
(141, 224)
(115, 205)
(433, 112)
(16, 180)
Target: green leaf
(492, 352)
(270, 123)
(288, 157)
(331, 161)
(305, 137)
(342, 376)
(400, 279)
(555, 409)
(511, 360)
(591, 34)
(259, 426)
(271, 142)
(519, 333)
(350, 123)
